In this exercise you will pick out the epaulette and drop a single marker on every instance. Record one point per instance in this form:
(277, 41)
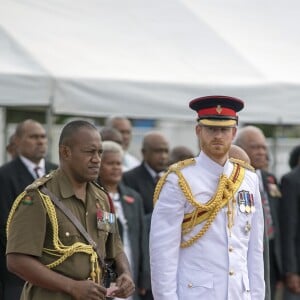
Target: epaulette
(38, 182)
(176, 167)
(242, 163)
(182, 164)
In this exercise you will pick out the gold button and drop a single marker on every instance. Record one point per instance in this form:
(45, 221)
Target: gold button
(230, 249)
(67, 233)
(86, 213)
(231, 273)
(190, 285)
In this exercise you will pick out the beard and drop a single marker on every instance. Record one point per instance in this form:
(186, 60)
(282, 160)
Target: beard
(216, 149)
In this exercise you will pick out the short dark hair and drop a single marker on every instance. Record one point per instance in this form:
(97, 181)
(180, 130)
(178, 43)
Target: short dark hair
(71, 128)
(294, 157)
(20, 129)
(111, 134)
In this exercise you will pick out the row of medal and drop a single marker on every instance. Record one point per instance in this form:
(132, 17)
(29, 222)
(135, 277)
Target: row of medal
(246, 202)
(106, 221)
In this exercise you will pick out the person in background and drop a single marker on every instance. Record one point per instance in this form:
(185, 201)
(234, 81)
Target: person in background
(294, 158)
(179, 153)
(129, 211)
(11, 147)
(30, 139)
(289, 216)
(111, 134)
(237, 152)
(57, 260)
(123, 124)
(206, 238)
(143, 178)
(253, 141)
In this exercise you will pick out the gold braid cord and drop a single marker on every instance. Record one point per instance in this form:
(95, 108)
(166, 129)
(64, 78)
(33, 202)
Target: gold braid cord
(208, 211)
(61, 251)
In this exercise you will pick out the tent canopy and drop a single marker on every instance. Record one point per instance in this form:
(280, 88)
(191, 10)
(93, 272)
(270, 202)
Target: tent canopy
(147, 59)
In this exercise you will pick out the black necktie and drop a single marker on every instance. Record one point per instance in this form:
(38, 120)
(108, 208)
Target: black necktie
(36, 171)
(267, 213)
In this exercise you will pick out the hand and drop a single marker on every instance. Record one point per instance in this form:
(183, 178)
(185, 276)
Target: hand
(87, 290)
(125, 286)
(292, 282)
(142, 291)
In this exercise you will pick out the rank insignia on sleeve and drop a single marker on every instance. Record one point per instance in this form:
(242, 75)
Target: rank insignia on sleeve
(27, 200)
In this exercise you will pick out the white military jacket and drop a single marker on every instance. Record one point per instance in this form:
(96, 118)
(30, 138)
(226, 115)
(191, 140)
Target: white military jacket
(223, 264)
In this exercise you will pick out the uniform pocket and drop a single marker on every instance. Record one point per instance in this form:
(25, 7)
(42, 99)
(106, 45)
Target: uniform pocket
(68, 233)
(196, 283)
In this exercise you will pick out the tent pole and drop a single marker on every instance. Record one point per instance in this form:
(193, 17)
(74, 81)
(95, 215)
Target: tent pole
(3, 117)
(49, 128)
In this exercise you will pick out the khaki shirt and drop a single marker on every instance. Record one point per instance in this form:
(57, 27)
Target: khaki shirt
(30, 231)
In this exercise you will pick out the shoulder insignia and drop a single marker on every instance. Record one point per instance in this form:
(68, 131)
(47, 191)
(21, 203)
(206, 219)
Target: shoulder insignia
(182, 164)
(176, 167)
(27, 200)
(38, 182)
(242, 163)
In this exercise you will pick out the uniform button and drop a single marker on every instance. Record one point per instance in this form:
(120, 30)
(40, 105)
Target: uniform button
(67, 233)
(190, 285)
(230, 249)
(231, 273)
(86, 213)
(248, 291)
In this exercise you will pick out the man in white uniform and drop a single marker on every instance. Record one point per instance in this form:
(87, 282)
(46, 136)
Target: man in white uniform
(206, 239)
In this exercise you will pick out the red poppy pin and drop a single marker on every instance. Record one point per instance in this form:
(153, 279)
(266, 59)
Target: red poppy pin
(128, 199)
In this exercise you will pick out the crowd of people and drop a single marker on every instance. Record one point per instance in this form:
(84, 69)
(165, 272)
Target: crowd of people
(173, 225)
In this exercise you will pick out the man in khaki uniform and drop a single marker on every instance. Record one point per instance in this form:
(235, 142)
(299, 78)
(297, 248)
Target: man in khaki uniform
(45, 248)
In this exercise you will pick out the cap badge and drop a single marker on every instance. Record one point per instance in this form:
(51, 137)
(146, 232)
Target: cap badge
(219, 109)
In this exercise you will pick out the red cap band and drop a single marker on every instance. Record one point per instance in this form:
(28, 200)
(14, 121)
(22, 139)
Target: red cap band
(218, 111)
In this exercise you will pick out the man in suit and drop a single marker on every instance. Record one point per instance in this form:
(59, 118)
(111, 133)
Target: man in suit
(143, 178)
(253, 141)
(31, 143)
(123, 125)
(289, 215)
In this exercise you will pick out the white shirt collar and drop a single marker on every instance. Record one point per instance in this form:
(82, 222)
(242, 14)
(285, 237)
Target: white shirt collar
(213, 167)
(152, 172)
(31, 166)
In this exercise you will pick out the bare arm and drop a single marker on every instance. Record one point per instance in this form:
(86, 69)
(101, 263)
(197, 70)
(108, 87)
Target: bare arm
(30, 269)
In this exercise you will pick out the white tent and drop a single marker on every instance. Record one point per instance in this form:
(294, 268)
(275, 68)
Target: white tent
(149, 58)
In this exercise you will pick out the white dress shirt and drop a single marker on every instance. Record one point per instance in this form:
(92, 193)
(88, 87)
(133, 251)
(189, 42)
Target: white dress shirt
(31, 167)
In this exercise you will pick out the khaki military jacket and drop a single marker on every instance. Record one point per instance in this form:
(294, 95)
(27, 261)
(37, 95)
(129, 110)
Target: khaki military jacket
(30, 231)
